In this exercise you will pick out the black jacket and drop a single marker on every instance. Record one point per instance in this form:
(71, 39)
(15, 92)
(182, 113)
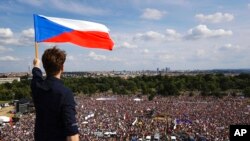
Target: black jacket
(55, 108)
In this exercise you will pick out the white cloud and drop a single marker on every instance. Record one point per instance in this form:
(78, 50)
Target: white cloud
(29, 33)
(9, 41)
(202, 31)
(150, 35)
(94, 56)
(169, 35)
(5, 33)
(200, 52)
(152, 14)
(114, 59)
(166, 57)
(8, 58)
(145, 51)
(215, 18)
(159, 2)
(127, 45)
(248, 5)
(71, 58)
(227, 47)
(32, 2)
(98, 57)
(172, 35)
(76, 7)
(27, 36)
(10, 38)
(4, 49)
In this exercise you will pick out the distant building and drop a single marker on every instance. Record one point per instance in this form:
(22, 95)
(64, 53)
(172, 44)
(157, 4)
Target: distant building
(157, 71)
(167, 69)
(9, 79)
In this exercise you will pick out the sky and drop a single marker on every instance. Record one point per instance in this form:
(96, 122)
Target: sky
(148, 34)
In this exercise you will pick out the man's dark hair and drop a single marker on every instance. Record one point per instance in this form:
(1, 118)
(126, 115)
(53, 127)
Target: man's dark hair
(53, 60)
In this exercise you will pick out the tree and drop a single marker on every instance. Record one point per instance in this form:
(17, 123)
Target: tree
(131, 86)
(5, 94)
(103, 87)
(246, 92)
(226, 83)
(167, 88)
(151, 97)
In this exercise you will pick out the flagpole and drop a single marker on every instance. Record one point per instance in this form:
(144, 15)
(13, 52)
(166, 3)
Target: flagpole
(36, 50)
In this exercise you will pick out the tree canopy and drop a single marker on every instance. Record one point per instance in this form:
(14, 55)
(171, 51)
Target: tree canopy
(207, 85)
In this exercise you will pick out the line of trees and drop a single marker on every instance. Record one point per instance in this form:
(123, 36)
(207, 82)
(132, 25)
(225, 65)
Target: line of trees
(15, 90)
(207, 85)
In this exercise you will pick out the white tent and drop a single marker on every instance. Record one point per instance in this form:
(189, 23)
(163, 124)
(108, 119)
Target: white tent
(148, 138)
(173, 138)
(106, 98)
(137, 99)
(109, 133)
(136, 119)
(85, 122)
(89, 116)
(4, 119)
(157, 136)
(98, 134)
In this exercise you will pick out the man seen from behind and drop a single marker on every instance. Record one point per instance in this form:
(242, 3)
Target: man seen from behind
(54, 103)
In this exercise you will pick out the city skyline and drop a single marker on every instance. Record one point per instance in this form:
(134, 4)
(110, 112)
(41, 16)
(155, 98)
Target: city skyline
(148, 34)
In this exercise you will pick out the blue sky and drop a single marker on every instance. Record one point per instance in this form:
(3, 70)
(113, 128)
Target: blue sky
(148, 34)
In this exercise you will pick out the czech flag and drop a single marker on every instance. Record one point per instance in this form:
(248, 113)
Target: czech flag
(82, 33)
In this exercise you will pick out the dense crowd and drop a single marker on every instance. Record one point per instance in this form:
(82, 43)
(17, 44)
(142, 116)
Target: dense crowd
(126, 118)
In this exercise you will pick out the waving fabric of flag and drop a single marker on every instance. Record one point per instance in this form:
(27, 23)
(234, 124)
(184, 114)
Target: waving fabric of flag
(82, 33)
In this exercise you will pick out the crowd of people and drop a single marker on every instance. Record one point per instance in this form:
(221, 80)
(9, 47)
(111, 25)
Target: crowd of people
(130, 118)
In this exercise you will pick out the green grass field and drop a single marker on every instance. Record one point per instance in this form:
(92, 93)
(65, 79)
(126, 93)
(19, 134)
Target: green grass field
(5, 111)
(1, 102)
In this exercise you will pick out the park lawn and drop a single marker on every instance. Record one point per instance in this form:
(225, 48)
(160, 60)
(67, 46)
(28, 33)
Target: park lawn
(5, 111)
(2, 102)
